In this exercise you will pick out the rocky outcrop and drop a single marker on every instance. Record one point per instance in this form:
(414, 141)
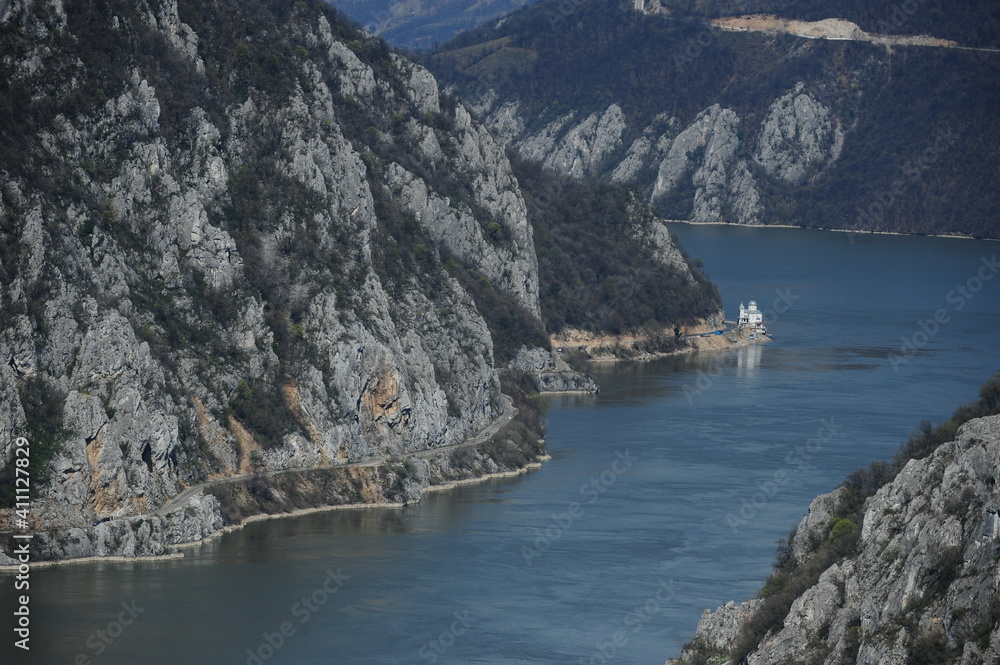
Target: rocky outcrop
(228, 505)
(582, 149)
(565, 382)
(744, 196)
(717, 631)
(647, 150)
(667, 251)
(550, 374)
(512, 266)
(796, 136)
(532, 360)
(140, 536)
(217, 275)
(921, 585)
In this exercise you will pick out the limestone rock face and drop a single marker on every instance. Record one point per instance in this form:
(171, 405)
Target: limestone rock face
(667, 251)
(744, 195)
(532, 360)
(550, 374)
(506, 122)
(796, 136)
(583, 148)
(150, 535)
(421, 87)
(646, 151)
(717, 631)
(239, 272)
(565, 382)
(717, 161)
(923, 580)
(713, 138)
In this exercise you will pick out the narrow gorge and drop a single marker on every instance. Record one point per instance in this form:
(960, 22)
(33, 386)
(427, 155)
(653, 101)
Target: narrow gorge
(247, 239)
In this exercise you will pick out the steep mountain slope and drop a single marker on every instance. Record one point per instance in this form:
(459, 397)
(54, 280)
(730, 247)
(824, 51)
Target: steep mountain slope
(420, 24)
(240, 238)
(746, 127)
(899, 565)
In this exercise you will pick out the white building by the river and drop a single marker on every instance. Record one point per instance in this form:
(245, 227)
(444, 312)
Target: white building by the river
(751, 317)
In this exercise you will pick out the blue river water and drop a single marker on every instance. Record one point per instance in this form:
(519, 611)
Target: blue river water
(664, 496)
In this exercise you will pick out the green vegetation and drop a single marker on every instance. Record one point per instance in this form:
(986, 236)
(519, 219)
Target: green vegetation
(511, 325)
(790, 579)
(596, 269)
(520, 441)
(42, 405)
(263, 410)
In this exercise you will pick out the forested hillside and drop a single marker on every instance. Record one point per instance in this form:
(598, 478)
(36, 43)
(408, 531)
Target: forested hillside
(420, 25)
(748, 127)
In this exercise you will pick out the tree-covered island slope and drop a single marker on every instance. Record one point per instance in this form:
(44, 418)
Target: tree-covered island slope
(753, 126)
(243, 237)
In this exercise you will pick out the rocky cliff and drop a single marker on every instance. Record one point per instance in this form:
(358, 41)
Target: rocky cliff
(241, 239)
(702, 160)
(918, 586)
(223, 253)
(717, 121)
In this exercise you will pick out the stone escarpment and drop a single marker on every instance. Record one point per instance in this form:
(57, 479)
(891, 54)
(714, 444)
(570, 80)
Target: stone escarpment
(223, 258)
(921, 585)
(550, 374)
(713, 165)
(231, 503)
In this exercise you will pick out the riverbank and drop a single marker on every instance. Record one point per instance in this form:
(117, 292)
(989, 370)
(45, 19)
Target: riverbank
(697, 461)
(575, 345)
(176, 548)
(509, 445)
(955, 236)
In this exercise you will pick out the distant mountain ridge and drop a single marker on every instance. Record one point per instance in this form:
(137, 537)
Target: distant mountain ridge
(746, 127)
(421, 24)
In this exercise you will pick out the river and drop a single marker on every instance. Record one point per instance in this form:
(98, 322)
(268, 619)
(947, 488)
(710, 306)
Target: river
(664, 496)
